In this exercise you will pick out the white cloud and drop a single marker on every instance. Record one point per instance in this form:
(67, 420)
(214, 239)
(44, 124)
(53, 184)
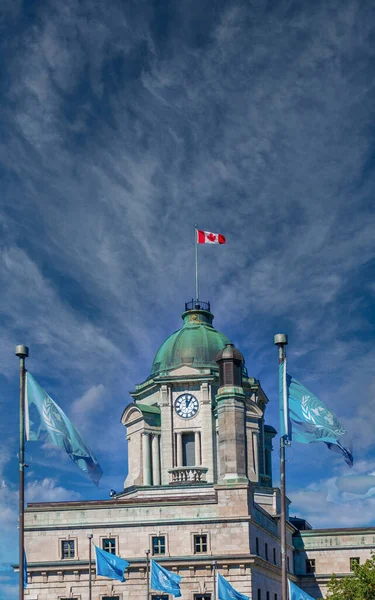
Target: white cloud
(344, 500)
(92, 401)
(48, 490)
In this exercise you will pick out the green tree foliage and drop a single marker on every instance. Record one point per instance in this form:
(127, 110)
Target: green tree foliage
(359, 586)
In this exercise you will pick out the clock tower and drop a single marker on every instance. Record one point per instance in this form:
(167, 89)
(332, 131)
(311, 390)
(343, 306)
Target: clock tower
(198, 418)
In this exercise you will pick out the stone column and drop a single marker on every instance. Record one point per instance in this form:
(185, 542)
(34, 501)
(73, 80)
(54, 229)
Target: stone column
(252, 435)
(197, 444)
(155, 460)
(146, 459)
(207, 432)
(179, 449)
(166, 443)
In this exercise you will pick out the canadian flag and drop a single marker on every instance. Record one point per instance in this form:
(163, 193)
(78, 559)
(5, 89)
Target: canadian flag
(207, 237)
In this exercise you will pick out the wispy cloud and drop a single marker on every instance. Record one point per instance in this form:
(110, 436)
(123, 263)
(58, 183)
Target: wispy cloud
(123, 125)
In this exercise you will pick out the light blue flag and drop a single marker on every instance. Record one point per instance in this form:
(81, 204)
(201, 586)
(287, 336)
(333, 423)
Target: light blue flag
(305, 419)
(295, 593)
(110, 565)
(25, 581)
(46, 421)
(225, 591)
(164, 581)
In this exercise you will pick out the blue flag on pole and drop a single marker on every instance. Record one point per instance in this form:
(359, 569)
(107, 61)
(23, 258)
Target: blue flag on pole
(295, 593)
(305, 419)
(225, 591)
(163, 580)
(24, 571)
(46, 421)
(110, 565)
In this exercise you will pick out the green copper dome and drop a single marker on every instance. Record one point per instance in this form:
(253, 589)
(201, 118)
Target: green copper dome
(196, 344)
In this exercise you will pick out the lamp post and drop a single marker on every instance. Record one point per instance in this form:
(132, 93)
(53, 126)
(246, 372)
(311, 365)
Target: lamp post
(22, 352)
(90, 536)
(281, 340)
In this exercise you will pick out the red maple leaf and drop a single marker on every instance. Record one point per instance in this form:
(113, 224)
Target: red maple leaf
(211, 237)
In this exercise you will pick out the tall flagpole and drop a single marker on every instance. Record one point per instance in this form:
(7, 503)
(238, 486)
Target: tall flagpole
(89, 535)
(281, 340)
(22, 352)
(148, 573)
(214, 567)
(196, 263)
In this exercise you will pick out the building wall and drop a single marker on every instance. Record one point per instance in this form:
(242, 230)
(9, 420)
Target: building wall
(331, 549)
(225, 514)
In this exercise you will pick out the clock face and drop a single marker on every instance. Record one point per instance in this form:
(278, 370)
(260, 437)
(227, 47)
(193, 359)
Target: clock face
(186, 406)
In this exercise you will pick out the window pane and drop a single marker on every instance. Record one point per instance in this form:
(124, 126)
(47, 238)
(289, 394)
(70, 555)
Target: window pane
(158, 545)
(200, 543)
(266, 551)
(257, 545)
(274, 556)
(202, 597)
(159, 597)
(110, 597)
(353, 562)
(109, 545)
(67, 549)
(259, 594)
(310, 565)
(188, 449)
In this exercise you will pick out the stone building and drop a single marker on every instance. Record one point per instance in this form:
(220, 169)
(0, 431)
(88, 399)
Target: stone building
(198, 492)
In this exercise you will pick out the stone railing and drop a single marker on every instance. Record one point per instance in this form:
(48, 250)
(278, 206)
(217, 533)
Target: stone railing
(188, 474)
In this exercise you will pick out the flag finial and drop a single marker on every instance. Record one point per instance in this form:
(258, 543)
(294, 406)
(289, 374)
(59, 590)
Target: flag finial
(280, 339)
(22, 351)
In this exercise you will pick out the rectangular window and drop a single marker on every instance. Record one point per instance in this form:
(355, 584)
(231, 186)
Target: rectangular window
(188, 449)
(353, 563)
(113, 598)
(200, 544)
(158, 545)
(267, 596)
(275, 598)
(274, 556)
(109, 545)
(310, 565)
(257, 546)
(162, 597)
(202, 596)
(67, 549)
(266, 551)
(287, 563)
(259, 594)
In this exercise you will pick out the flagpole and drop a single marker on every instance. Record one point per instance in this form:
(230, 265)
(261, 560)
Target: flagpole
(196, 264)
(89, 535)
(281, 340)
(214, 574)
(22, 352)
(148, 572)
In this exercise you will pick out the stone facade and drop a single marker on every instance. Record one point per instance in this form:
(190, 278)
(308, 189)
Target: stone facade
(321, 552)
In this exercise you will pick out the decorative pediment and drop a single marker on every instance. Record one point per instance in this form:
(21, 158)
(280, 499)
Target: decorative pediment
(141, 412)
(184, 370)
(253, 410)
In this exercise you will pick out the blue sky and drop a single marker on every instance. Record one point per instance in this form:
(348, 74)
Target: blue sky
(122, 125)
